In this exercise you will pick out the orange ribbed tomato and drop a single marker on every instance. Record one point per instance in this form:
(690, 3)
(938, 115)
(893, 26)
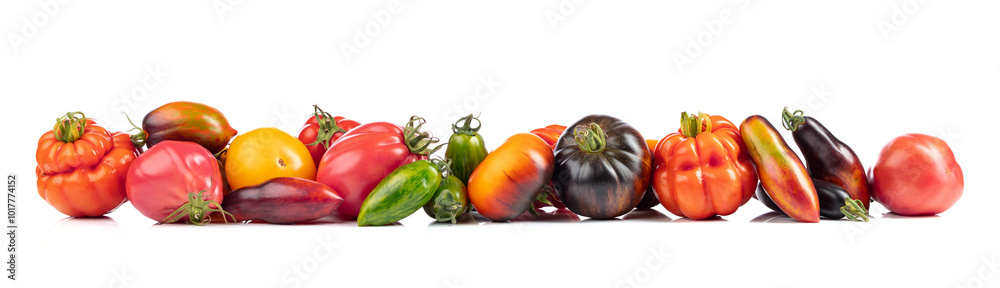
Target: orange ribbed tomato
(704, 169)
(81, 166)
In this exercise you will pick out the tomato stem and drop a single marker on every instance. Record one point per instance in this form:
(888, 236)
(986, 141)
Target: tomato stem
(792, 120)
(327, 127)
(197, 210)
(418, 141)
(590, 138)
(447, 208)
(70, 128)
(692, 125)
(139, 138)
(854, 209)
(466, 127)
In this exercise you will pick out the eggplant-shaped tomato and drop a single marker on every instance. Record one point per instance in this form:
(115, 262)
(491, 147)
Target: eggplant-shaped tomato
(465, 148)
(703, 170)
(834, 202)
(401, 193)
(449, 202)
(321, 130)
(603, 167)
(511, 177)
(282, 200)
(649, 198)
(186, 121)
(780, 171)
(826, 157)
(357, 162)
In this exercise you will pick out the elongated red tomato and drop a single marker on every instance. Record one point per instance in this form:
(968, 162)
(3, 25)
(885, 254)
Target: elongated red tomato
(357, 162)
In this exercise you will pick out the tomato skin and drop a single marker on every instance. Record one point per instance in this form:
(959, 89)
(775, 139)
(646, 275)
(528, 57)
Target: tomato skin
(188, 121)
(780, 171)
(311, 129)
(601, 181)
(649, 199)
(706, 175)
(160, 179)
(357, 162)
(550, 134)
(264, 154)
(917, 174)
(86, 177)
(506, 183)
(282, 200)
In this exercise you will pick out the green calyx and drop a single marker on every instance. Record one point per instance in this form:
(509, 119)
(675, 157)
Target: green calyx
(792, 120)
(542, 197)
(466, 127)
(590, 138)
(447, 208)
(327, 127)
(69, 127)
(139, 138)
(692, 125)
(854, 210)
(418, 141)
(197, 209)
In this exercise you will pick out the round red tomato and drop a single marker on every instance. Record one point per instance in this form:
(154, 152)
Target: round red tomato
(916, 174)
(321, 130)
(357, 162)
(160, 181)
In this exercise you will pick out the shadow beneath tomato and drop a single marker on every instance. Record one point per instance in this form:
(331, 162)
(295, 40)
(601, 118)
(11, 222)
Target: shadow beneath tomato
(646, 215)
(715, 218)
(87, 222)
(465, 219)
(555, 216)
(773, 217)
(893, 215)
(593, 221)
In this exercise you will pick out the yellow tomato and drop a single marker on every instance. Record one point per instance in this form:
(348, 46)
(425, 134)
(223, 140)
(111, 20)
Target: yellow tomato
(267, 153)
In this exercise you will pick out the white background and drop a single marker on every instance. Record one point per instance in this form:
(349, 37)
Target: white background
(868, 70)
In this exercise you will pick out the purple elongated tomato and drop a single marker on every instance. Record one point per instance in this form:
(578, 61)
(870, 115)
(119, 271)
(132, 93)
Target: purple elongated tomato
(283, 200)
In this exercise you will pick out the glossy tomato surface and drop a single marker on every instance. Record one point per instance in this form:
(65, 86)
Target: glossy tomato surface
(917, 174)
(159, 181)
(358, 161)
(319, 132)
(506, 183)
(264, 154)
